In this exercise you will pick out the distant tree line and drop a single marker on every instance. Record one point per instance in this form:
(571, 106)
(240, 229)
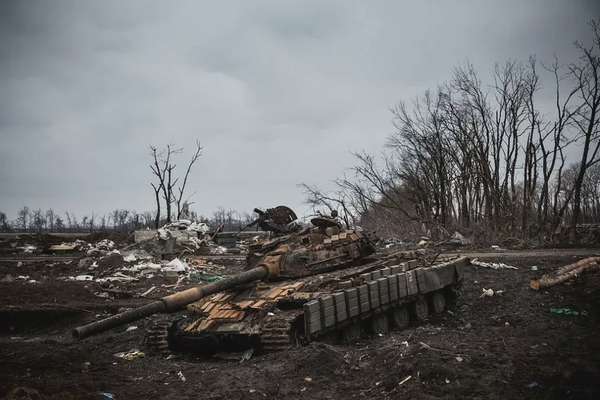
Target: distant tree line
(485, 158)
(119, 220)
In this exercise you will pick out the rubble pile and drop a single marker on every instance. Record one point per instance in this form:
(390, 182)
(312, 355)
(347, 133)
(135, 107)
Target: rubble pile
(179, 237)
(99, 248)
(183, 270)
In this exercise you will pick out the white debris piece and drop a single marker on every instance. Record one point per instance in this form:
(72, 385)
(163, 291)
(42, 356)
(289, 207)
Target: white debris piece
(491, 265)
(82, 278)
(163, 234)
(218, 250)
(403, 381)
(200, 227)
(135, 255)
(130, 355)
(143, 268)
(459, 239)
(147, 292)
(175, 265)
(117, 277)
(487, 292)
(28, 249)
(105, 244)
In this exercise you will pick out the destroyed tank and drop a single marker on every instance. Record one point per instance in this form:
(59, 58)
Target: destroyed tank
(306, 283)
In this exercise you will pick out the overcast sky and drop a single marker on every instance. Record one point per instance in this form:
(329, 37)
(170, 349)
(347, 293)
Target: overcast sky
(278, 92)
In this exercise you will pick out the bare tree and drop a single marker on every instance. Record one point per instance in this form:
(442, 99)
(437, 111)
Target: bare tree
(586, 75)
(4, 222)
(181, 189)
(163, 169)
(335, 201)
(23, 218)
(50, 219)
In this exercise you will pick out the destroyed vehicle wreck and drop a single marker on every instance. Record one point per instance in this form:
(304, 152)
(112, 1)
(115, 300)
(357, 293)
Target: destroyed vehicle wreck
(305, 283)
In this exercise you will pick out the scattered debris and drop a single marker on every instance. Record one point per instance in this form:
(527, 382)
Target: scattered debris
(403, 381)
(130, 355)
(490, 292)
(101, 248)
(135, 255)
(458, 239)
(82, 278)
(175, 265)
(181, 376)
(218, 250)
(566, 273)
(63, 247)
(567, 311)
(147, 292)
(131, 328)
(491, 265)
(534, 268)
(247, 355)
(28, 249)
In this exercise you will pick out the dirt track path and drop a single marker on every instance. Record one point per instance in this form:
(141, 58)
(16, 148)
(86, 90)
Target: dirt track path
(528, 253)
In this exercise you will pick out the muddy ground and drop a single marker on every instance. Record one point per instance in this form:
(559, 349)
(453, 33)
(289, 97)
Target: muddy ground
(507, 346)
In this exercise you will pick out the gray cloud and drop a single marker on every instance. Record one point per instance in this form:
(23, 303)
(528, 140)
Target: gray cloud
(278, 92)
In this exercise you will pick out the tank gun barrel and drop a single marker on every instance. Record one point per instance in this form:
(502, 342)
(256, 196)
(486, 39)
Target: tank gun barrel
(173, 302)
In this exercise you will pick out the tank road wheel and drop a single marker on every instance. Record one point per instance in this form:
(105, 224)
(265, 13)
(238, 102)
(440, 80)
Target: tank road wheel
(157, 338)
(438, 301)
(400, 317)
(351, 333)
(380, 324)
(420, 309)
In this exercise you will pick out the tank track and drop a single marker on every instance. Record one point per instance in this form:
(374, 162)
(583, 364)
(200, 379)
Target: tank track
(391, 294)
(276, 332)
(157, 337)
